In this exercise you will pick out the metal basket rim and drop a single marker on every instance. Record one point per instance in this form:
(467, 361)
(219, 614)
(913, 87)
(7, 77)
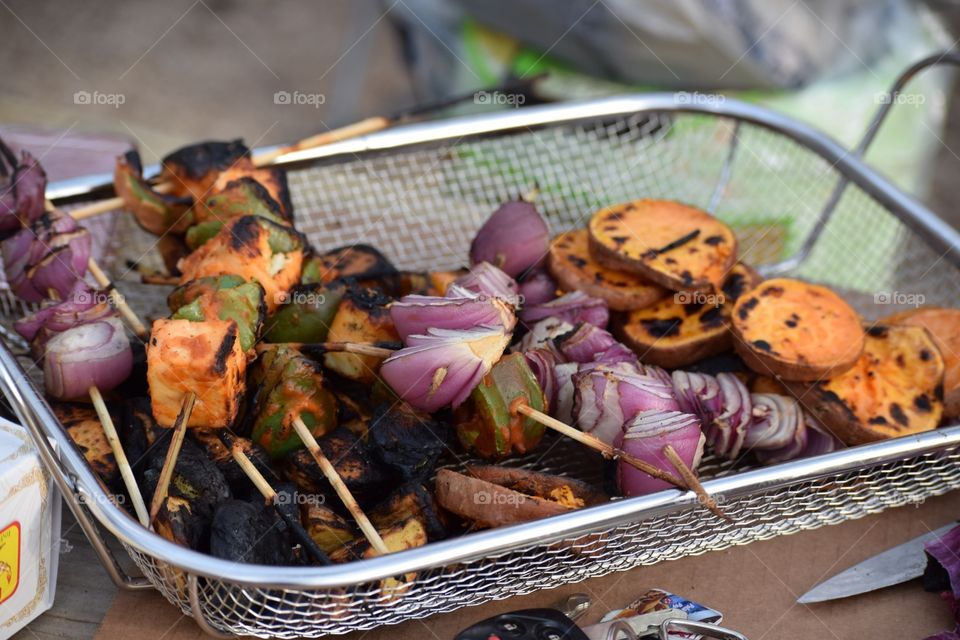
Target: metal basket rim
(34, 412)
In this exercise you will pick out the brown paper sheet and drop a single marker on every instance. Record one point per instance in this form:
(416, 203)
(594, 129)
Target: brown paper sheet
(755, 586)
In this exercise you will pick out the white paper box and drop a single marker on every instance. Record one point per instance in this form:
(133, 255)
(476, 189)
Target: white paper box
(29, 531)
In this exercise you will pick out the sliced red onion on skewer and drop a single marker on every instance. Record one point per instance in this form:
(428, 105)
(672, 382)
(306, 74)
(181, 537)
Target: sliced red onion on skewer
(23, 185)
(606, 396)
(699, 394)
(543, 363)
(46, 259)
(441, 368)
(645, 436)
(573, 307)
(484, 279)
(96, 354)
(514, 238)
(417, 314)
(592, 344)
(537, 288)
(80, 307)
(562, 401)
(726, 432)
(793, 449)
(542, 335)
(776, 420)
(819, 439)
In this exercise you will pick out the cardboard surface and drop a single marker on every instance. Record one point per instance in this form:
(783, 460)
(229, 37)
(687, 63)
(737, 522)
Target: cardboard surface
(755, 586)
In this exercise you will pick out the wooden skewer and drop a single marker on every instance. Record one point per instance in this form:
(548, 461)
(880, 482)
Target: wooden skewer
(368, 125)
(119, 302)
(126, 472)
(263, 486)
(369, 531)
(593, 442)
(359, 348)
(176, 441)
(159, 278)
(693, 482)
(110, 204)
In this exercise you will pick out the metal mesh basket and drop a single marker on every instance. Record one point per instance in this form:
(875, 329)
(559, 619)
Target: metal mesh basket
(801, 206)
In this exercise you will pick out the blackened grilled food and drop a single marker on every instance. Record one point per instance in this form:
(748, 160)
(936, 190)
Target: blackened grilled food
(408, 442)
(412, 500)
(350, 457)
(219, 453)
(249, 532)
(360, 262)
(194, 169)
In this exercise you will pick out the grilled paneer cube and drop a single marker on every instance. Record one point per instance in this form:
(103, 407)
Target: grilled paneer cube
(193, 170)
(255, 249)
(203, 357)
(362, 317)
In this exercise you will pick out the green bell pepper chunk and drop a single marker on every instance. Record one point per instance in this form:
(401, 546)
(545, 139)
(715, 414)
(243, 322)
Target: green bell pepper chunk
(306, 317)
(226, 297)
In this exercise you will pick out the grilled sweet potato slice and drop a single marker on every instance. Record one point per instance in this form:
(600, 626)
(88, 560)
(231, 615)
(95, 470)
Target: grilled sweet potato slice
(672, 244)
(685, 327)
(576, 270)
(894, 388)
(796, 330)
(84, 428)
(944, 328)
(491, 496)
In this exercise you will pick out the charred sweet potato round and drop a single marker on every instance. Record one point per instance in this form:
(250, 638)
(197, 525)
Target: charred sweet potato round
(895, 388)
(796, 330)
(944, 328)
(687, 326)
(576, 270)
(672, 244)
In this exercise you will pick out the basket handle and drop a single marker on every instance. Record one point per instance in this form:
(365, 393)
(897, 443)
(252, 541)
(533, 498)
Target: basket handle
(25, 402)
(944, 57)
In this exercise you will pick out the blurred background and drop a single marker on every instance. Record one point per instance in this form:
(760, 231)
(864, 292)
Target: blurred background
(83, 80)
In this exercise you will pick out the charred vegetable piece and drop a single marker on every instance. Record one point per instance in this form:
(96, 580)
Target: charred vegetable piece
(177, 522)
(687, 326)
(195, 478)
(251, 533)
(350, 458)
(172, 249)
(157, 213)
(241, 197)
(255, 249)
(138, 432)
(203, 357)
(407, 441)
(576, 270)
(360, 261)
(410, 501)
(671, 244)
(327, 528)
(362, 317)
(289, 385)
(226, 297)
(307, 314)
(944, 327)
(194, 169)
(84, 428)
(406, 535)
(273, 179)
(894, 388)
(219, 453)
(23, 184)
(796, 330)
(493, 429)
(481, 494)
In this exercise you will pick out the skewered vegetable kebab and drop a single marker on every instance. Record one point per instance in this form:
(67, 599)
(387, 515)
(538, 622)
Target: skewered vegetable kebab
(83, 344)
(442, 366)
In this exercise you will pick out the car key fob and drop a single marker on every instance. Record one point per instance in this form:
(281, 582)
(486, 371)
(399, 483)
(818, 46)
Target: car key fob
(526, 624)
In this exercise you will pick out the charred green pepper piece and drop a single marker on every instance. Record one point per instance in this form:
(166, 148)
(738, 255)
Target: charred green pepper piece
(307, 314)
(289, 385)
(241, 197)
(494, 429)
(226, 297)
(158, 213)
(360, 261)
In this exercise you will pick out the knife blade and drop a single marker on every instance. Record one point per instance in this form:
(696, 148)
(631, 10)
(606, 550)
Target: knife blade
(887, 568)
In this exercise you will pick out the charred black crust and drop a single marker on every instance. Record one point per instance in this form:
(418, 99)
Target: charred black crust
(662, 327)
(245, 231)
(878, 331)
(198, 160)
(225, 349)
(877, 420)
(713, 318)
(713, 240)
(762, 345)
(367, 298)
(279, 176)
(747, 307)
(896, 412)
(576, 261)
(922, 403)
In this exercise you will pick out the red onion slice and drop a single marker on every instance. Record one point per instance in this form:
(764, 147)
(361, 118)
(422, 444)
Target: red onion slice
(726, 432)
(543, 363)
(645, 436)
(23, 185)
(96, 354)
(484, 279)
(819, 439)
(514, 238)
(542, 334)
(417, 314)
(537, 288)
(592, 344)
(776, 420)
(573, 307)
(441, 368)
